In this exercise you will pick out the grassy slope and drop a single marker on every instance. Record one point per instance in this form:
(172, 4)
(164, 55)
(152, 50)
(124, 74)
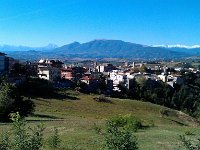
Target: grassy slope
(76, 120)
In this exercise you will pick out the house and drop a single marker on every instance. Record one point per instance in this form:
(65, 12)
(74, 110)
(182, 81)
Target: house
(163, 77)
(49, 73)
(106, 68)
(72, 73)
(67, 73)
(92, 84)
(120, 78)
(88, 80)
(173, 80)
(49, 69)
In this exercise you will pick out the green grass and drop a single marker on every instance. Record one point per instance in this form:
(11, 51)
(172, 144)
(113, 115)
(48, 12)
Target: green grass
(76, 120)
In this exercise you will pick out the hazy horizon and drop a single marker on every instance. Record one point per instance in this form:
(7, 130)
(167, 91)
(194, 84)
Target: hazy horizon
(154, 45)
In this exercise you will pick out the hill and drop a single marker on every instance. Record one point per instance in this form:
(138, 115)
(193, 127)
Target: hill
(77, 116)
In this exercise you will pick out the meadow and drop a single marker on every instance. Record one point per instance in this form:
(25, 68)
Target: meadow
(77, 117)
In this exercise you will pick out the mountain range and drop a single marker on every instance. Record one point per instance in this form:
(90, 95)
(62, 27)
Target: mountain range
(98, 49)
(7, 48)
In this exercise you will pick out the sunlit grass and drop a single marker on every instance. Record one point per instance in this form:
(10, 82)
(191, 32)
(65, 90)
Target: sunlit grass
(76, 121)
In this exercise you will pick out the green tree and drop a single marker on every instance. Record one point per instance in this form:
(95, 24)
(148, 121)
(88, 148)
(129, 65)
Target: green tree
(6, 100)
(12, 101)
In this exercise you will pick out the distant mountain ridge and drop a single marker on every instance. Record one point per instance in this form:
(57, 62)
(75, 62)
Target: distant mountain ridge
(104, 49)
(116, 49)
(6, 48)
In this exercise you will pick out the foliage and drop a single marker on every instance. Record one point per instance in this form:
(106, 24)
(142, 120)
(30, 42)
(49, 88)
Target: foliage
(6, 99)
(23, 138)
(20, 139)
(118, 135)
(4, 143)
(37, 87)
(54, 141)
(127, 121)
(189, 144)
(36, 137)
(12, 101)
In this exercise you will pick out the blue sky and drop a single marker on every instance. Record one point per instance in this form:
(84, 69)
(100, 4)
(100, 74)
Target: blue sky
(150, 22)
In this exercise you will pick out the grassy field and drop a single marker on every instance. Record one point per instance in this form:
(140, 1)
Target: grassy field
(77, 115)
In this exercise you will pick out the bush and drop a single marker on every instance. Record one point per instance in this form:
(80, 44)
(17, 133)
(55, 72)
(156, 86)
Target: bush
(189, 144)
(23, 138)
(127, 121)
(54, 141)
(5, 145)
(118, 135)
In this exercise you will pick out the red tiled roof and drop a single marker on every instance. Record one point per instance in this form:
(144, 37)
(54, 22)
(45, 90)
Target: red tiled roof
(66, 69)
(87, 78)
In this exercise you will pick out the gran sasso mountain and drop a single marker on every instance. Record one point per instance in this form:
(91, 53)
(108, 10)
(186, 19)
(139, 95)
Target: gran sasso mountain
(102, 49)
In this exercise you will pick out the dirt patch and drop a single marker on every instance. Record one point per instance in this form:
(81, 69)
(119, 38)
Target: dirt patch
(188, 119)
(179, 117)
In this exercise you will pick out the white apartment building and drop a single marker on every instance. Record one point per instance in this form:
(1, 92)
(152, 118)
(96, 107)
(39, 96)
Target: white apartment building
(119, 77)
(49, 73)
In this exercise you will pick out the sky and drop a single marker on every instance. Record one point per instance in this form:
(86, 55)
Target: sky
(149, 22)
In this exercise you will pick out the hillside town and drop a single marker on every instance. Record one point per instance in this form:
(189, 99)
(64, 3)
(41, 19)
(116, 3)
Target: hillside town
(91, 72)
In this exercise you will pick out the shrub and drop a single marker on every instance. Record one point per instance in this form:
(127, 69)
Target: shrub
(20, 137)
(127, 121)
(36, 137)
(4, 143)
(118, 135)
(23, 138)
(189, 144)
(54, 141)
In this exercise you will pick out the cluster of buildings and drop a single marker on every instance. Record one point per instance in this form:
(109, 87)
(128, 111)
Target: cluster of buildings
(113, 75)
(92, 73)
